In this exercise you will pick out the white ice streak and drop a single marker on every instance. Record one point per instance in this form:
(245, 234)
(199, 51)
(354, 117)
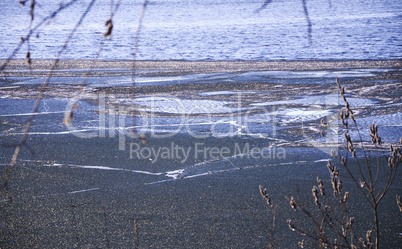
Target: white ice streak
(81, 191)
(175, 174)
(111, 168)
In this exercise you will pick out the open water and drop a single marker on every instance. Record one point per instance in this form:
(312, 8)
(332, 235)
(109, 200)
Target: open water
(209, 30)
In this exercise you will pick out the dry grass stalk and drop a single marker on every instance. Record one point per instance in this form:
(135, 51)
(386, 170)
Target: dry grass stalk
(133, 69)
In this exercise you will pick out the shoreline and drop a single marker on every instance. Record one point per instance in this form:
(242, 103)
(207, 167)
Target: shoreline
(18, 67)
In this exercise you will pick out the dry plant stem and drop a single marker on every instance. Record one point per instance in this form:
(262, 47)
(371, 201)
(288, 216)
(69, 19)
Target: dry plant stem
(319, 223)
(31, 12)
(271, 233)
(399, 202)
(307, 17)
(135, 50)
(263, 6)
(370, 182)
(324, 220)
(272, 242)
(38, 100)
(332, 225)
(298, 205)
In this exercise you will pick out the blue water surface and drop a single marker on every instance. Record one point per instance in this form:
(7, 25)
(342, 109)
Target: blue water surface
(209, 30)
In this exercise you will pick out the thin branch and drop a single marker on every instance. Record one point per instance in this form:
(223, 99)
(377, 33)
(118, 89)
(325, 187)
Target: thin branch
(307, 17)
(136, 43)
(263, 6)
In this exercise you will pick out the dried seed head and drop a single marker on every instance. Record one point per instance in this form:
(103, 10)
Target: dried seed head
(339, 186)
(317, 202)
(109, 26)
(346, 196)
(350, 147)
(302, 244)
(28, 58)
(368, 236)
(390, 162)
(293, 203)
(343, 161)
(315, 191)
(334, 183)
(321, 186)
(315, 194)
(329, 165)
(265, 195)
(335, 172)
(324, 243)
(347, 105)
(350, 222)
(291, 225)
(399, 202)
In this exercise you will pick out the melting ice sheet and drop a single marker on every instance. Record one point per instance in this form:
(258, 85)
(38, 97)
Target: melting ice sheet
(294, 115)
(184, 106)
(322, 100)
